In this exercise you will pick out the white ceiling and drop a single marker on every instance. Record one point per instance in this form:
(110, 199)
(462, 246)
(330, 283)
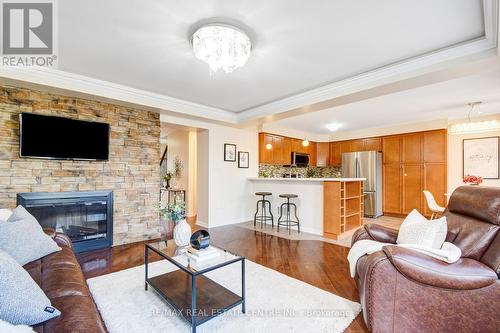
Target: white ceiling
(438, 101)
(299, 45)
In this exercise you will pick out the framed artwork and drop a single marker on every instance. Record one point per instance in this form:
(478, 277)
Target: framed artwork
(243, 157)
(481, 157)
(229, 152)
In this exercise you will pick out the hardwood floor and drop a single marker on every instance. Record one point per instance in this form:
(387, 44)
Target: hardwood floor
(320, 264)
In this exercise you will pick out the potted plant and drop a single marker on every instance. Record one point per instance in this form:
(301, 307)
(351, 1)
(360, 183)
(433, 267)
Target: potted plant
(167, 177)
(176, 212)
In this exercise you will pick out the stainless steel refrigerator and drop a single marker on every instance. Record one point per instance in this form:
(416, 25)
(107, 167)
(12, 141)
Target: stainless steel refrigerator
(366, 164)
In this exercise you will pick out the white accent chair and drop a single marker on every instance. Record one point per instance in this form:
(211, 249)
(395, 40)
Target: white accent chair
(433, 206)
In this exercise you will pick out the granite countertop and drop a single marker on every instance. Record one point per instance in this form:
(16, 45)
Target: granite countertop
(307, 179)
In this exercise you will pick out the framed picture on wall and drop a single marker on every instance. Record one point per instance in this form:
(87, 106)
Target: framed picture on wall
(243, 157)
(481, 157)
(229, 152)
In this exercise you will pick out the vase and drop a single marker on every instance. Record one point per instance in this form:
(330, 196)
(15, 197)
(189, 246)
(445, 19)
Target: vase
(182, 233)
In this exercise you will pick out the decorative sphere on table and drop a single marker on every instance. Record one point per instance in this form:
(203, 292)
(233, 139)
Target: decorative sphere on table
(200, 239)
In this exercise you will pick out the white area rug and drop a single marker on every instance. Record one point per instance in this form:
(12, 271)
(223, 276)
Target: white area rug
(275, 303)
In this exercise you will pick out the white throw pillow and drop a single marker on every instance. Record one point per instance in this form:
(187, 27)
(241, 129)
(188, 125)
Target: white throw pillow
(22, 237)
(416, 229)
(5, 214)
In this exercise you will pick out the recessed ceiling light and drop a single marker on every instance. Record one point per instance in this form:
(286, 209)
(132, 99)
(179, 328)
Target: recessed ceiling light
(221, 46)
(333, 127)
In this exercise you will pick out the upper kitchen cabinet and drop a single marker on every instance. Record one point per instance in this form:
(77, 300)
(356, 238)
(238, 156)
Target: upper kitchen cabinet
(271, 149)
(312, 151)
(345, 147)
(435, 146)
(357, 145)
(297, 146)
(277, 149)
(287, 151)
(335, 154)
(373, 144)
(265, 148)
(412, 148)
(391, 149)
(323, 154)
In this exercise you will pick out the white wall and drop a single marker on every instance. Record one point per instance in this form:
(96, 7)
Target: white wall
(203, 177)
(455, 159)
(222, 186)
(182, 145)
(178, 147)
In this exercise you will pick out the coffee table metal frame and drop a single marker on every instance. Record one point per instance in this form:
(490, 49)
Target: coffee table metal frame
(194, 274)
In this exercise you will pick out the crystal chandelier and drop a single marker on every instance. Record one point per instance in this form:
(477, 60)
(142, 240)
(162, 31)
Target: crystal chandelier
(221, 46)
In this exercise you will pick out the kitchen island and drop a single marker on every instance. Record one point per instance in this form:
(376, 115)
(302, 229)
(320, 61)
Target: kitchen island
(329, 207)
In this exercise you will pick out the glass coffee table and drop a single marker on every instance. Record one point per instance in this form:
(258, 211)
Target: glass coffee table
(196, 297)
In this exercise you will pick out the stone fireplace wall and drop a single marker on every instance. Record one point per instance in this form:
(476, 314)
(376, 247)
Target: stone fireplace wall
(132, 171)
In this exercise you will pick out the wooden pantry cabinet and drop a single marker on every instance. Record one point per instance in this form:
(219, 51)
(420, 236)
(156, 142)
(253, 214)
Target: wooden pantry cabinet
(412, 163)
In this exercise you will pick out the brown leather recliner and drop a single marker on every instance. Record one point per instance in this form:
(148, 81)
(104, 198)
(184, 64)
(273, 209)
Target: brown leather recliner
(405, 291)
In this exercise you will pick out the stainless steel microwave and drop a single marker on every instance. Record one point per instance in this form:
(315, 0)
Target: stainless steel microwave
(300, 159)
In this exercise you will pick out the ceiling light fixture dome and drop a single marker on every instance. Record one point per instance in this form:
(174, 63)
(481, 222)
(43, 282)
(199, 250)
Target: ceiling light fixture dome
(221, 46)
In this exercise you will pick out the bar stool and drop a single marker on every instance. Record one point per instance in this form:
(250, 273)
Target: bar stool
(288, 222)
(261, 215)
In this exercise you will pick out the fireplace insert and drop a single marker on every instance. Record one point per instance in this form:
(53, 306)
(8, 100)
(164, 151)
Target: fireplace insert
(86, 217)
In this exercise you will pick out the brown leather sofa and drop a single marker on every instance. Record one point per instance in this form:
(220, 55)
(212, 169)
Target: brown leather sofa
(405, 291)
(61, 278)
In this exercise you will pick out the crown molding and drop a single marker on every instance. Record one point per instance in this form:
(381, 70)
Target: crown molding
(387, 74)
(409, 68)
(82, 84)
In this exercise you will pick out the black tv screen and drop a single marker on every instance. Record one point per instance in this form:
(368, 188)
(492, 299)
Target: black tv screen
(62, 138)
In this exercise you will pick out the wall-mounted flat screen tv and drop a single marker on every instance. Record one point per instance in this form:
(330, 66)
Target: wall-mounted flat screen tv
(62, 138)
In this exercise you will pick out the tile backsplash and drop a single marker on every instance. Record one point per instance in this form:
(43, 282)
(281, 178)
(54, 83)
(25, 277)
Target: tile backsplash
(272, 171)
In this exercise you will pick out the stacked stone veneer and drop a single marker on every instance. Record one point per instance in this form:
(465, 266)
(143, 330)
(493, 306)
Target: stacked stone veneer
(132, 171)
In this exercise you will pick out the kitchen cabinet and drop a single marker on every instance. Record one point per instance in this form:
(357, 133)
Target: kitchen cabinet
(335, 154)
(282, 148)
(421, 160)
(412, 162)
(287, 151)
(343, 207)
(373, 144)
(412, 187)
(357, 145)
(312, 151)
(297, 146)
(323, 154)
(345, 147)
(412, 148)
(265, 155)
(391, 188)
(274, 155)
(435, 143)
(391, 149)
